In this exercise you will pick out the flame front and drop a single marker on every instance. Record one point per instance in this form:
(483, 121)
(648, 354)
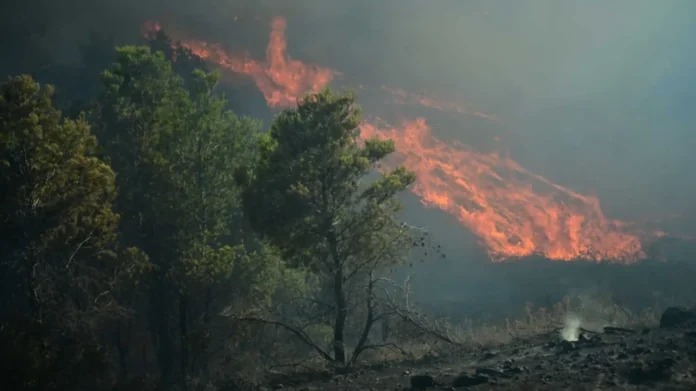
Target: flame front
(281, 79)
(513, 211)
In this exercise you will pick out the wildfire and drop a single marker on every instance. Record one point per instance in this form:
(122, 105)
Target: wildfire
(150, 29)
(513, 211)
(281, 79)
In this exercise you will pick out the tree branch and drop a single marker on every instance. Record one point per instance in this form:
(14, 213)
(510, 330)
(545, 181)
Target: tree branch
(299, 333)
(408, 314)
(369, 321)
(78, 248)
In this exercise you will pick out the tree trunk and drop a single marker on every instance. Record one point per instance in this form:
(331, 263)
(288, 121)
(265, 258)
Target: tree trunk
(341, 314)
(158, 313)
(123, 346)
(183, 330)
(341, 304)
(369, 322)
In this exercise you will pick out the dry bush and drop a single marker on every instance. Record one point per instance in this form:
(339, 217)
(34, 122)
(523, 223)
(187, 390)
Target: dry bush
(593, 312)
(416, 336)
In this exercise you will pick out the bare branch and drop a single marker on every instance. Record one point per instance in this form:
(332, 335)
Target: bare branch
(78, 248)
(406, 312)
(306, 339)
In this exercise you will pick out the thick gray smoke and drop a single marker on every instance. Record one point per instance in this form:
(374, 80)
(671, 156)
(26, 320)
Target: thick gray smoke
(595, 95)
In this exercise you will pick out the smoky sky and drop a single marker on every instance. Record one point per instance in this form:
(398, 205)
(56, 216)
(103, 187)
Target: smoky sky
(596, 95)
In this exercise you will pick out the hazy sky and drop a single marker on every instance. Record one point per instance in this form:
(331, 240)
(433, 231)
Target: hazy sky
(595, 94)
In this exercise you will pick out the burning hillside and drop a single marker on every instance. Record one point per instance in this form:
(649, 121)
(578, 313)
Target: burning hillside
(514, 212)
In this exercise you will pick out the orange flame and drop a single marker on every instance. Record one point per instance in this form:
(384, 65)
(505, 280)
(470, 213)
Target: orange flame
(281, 79)
(515, 212)
(150, 29)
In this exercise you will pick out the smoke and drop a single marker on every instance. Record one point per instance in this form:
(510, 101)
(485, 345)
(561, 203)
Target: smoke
(593, 95)
(571, 328)
(593, 310)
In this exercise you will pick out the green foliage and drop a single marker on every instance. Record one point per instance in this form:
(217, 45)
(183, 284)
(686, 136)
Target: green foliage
(177, 150)
(145, 111)
(59, 195)
(306, 195)
(308, 182)
(146, 232)
(59, 233)
(183, 61)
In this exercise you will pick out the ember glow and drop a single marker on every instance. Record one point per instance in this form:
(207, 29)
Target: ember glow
(514, 212)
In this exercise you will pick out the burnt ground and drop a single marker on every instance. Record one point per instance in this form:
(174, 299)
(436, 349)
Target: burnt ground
(662, 358)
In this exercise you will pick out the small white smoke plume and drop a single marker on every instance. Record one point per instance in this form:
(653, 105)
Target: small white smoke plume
(571, 328)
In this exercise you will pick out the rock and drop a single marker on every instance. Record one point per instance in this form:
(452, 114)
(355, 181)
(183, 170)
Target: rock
(465, 380)
(489, 372)
(567, 346)
(518, 370)
(618, 330)
(674, 316)
(489, 355)
(422, 382)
